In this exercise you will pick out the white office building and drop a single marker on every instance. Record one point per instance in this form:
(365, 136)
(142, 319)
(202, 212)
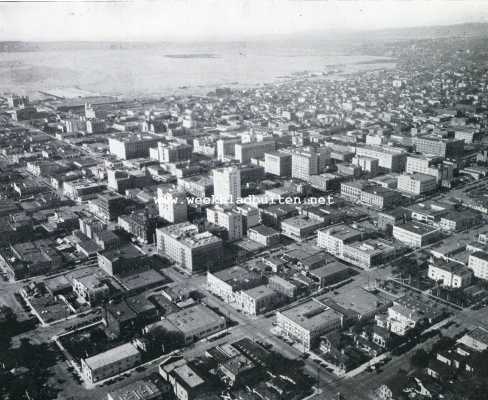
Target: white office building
(173, 205)
(227, 184)
(478, 263)
(228, 219)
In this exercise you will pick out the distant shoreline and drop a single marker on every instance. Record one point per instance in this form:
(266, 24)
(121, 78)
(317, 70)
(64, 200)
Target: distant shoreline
(192, 55)
(26, 75)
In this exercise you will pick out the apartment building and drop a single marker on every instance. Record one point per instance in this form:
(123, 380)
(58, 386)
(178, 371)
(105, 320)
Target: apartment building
(379, 197)
(352, 190)
(369, 253)
(478, 263)
(306, 322)
(417, 183)
(446, 148)
(110, 363)
(335, 238)
(435, 166)
(264, 235)
(388, 158)
(451, 274)
(367, 164)
(245, 151)
(277, 163)
(195, 322)
(228, 219)
(227, 283)
(309, 161)
(300, 227)
(415, 234)
(192, 250)
(257, 300)
(200, 186)
(172, 205)
(132, 145)
(171, 152)
(227, 184)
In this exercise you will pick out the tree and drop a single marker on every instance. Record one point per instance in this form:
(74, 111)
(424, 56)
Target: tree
(420, 359)
(479, 362)
(27, 370)
(444, 343)
(162, 340)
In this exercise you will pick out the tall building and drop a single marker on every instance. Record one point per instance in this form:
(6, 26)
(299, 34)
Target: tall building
(227, 184)
(95, 125)
(131, 145)
(197, 185)
(192, 250)
(228, 219)
(226, 148)
(334, 239)
(415, 234)
(304, 163)
(367, 164)
(173, 205)
(417, 184)
(171, 152)
(108, 206)
(123, 260)
(306, 322)
(90, 225)
(388, 158)
(277, 163)
(121, 180)
(436, 146)
(140, 223)
(245, 151)
(443, 171)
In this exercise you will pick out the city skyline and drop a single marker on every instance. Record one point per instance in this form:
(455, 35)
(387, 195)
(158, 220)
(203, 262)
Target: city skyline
(303, 218)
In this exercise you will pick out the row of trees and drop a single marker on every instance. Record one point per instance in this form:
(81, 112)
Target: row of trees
(24, 370)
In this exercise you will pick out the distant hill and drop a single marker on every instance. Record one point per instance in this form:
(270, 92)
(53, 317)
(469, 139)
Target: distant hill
(432, 32)
(421, 32)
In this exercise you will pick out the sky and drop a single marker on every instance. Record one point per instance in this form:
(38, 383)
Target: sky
(165, 20)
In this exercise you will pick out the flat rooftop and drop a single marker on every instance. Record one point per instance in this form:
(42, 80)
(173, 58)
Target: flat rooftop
(187, 234)
(422, 177)
(139, 390)
(342, 231)
(416, 227)
(128, 251)
(143, 279)
(481, 254)
(353, 299)
(277, 154)
(188, 376)
(111, 356)
(259, 292)
(311, 315)
(194, 318)
(329, 269)
(479, 334)
(135, 137)
(264, 230)
(372, 246)
(235, 273)
(301, 221)
(452, 266)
